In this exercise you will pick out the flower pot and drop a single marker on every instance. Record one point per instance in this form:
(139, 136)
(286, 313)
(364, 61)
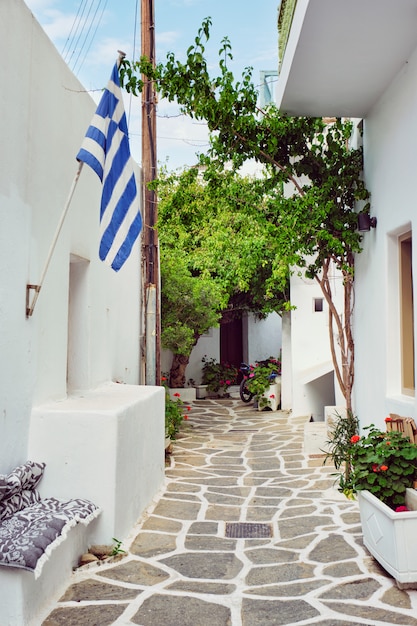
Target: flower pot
(186, 394)
(201, 392)
(391, 537)
(272, 395)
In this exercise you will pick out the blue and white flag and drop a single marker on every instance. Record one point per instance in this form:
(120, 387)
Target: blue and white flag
(106, 150)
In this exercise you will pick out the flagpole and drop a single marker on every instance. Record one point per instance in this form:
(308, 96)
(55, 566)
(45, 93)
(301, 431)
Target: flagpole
(38, 287)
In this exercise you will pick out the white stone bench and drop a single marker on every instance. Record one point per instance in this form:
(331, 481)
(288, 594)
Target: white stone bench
(40, 542)
(107, 445)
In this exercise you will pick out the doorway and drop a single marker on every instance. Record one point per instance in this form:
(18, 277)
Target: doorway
(231, 342)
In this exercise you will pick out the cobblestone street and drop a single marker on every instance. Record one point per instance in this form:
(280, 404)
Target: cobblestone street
(248, 531)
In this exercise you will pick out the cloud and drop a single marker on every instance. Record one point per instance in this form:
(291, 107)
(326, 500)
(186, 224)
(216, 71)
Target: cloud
(167, 38)
(57, 25)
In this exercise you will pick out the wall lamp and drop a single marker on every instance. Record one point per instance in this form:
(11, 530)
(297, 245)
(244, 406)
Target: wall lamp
(366, 222)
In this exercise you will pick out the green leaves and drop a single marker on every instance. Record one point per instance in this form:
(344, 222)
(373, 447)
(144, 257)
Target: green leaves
(385, 464)
(303, 208)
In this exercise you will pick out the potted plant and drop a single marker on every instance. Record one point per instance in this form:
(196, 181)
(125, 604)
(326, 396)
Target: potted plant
(174, 414)
(263, 383)
(381, 467)
(218, 376)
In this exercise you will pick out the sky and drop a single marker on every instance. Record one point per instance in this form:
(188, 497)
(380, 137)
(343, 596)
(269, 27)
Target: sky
(88, 34)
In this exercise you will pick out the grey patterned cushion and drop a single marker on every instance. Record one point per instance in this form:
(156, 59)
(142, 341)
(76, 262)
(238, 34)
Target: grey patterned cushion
(28, 536)
(30, 527)
(17, 489)
(26, 476)
(17, 502)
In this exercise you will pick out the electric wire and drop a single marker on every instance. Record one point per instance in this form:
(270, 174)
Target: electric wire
(93, 36)
(81, 32)
(77, 33)
(72, 28)
(135, 24)
(71, 47)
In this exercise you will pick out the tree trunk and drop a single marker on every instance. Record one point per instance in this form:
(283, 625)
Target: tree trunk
(177, 372)
(344, 365)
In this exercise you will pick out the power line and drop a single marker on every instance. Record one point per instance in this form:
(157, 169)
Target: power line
(133, 53)
(95, 32)
(77, 33)
(81, 31)
(72, 28)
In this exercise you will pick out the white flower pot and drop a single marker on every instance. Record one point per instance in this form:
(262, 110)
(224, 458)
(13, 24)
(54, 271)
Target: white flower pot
(186, 394)
(201, 392)
(272, 395)
(391, 537)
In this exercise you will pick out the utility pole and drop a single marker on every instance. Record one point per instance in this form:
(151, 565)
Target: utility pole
(150, 248)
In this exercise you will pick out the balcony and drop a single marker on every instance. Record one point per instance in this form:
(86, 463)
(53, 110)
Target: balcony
(341, 55)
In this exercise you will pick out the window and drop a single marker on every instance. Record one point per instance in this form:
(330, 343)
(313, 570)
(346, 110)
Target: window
(406, 314)
(318, 305)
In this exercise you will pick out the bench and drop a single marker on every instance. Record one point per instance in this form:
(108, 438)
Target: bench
(33, 534)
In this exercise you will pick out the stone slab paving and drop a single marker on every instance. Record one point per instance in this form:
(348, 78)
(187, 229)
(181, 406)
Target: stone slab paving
(232, 466)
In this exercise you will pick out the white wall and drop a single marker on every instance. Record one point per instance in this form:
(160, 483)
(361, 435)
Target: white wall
(264, 337)
(106, 445)
(85, 330)
(261, 339)
(390, 173)
(312, 369)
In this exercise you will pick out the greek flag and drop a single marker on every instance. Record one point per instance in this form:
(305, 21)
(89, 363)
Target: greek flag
(106, 150)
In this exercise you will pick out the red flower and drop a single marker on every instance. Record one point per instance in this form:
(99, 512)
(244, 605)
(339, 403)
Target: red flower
(402, 508)
(384, 468)
(272, 395)
(388, 419)
(163, 377)
(227, 382)
(354, 439)
(177, 395)
(188, 408)
(186, 417)
(375, 467)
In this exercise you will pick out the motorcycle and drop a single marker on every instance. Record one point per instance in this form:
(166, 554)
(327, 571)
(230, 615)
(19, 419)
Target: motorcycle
(245, 395)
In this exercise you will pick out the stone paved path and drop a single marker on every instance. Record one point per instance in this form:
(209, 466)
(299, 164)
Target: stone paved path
(236, 471)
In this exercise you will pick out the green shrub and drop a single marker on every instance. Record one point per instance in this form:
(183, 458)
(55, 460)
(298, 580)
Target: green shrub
(218, 376)
(262, 375)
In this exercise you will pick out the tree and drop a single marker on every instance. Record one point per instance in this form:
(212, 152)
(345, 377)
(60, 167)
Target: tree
(313, 180)
(217, 251)
(189, 308)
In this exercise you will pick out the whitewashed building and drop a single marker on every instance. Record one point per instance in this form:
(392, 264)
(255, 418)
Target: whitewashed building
(358, 59)
(70, 392)
(309, 383)
(250, 339)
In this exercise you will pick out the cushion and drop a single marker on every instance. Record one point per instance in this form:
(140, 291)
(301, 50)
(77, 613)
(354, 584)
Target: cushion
(27, 537)
(17, 502)
(23, 477)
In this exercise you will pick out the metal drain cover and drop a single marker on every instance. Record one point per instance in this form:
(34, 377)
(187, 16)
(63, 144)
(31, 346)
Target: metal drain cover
(244, 530)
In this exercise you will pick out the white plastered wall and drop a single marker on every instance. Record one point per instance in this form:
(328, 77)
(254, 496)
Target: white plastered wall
(390, 173)
(44, 114)
(262, 338)
(313, 386)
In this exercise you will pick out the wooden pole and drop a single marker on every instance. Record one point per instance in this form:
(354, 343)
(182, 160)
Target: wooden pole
(150, 255)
